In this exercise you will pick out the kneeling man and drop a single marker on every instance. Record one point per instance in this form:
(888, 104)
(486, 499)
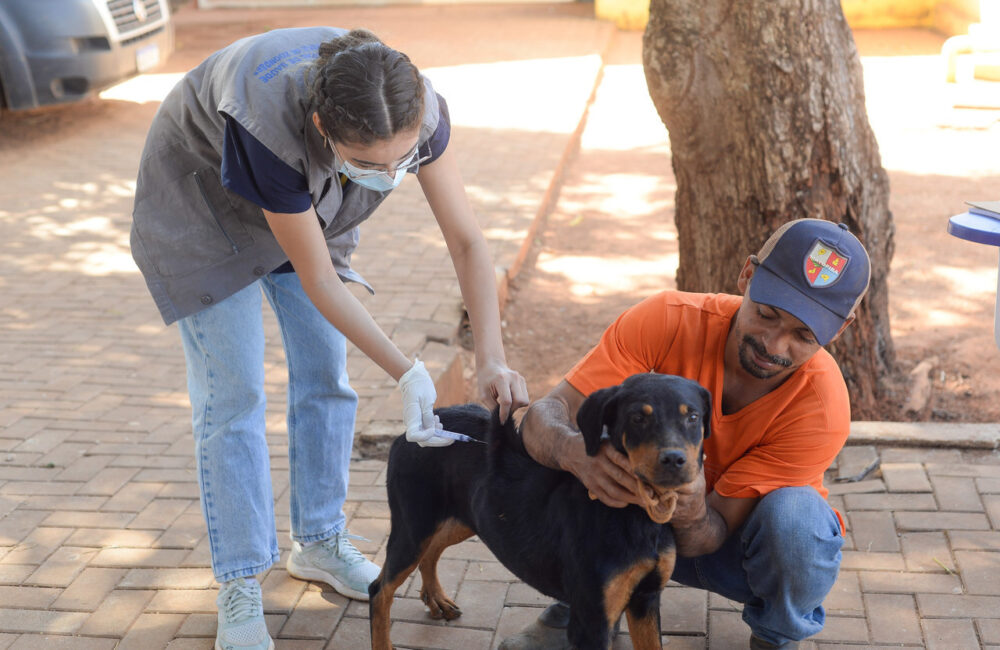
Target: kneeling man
(755, 527)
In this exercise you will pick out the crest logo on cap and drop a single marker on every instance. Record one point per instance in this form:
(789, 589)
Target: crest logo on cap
(824, 265)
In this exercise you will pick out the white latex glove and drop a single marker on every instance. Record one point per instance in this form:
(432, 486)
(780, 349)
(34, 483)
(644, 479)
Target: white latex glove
(418, 407)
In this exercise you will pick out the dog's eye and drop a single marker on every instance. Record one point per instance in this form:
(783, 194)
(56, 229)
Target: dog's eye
(693, 417)
(636, 418)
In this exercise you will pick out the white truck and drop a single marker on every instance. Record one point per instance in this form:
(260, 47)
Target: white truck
(57, 51)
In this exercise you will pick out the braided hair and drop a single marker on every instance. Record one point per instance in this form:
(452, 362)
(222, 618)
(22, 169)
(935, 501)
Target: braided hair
(364, 90)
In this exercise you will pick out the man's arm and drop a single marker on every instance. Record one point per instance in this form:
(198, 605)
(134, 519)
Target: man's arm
(702, 523)
(551, 438)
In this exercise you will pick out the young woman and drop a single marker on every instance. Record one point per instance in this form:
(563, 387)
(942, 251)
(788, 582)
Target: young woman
(257, 170)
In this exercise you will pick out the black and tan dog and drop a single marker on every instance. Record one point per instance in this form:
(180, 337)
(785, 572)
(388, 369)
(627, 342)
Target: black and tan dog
(540, 523)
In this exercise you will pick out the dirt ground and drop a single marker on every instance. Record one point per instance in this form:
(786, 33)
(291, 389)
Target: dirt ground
(939, 143)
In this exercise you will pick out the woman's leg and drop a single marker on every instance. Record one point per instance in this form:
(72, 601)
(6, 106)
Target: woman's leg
(224, 348)
(321, 411)
(781, 565)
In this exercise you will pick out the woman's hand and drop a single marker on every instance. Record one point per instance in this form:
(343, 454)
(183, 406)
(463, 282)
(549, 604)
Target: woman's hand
(503, 387)
(419, 396)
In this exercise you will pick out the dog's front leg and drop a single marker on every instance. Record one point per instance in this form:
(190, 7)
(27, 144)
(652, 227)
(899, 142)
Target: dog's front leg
(635, 589)
(644, 622)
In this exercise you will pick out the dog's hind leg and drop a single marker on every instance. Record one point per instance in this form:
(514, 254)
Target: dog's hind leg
(380, 594)
(400, 561)
(432, 593)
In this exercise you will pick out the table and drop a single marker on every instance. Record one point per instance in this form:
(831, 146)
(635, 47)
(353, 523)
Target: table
(982, 230)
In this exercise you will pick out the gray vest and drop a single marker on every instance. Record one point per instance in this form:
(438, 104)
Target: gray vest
(196, 242)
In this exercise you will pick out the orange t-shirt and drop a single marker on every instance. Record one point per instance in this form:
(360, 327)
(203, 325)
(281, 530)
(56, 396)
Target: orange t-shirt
(788, 437)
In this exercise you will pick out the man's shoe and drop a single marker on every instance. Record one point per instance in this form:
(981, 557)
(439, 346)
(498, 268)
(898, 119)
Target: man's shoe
(760, 644)
(336, 562)
(547, 632)
(241, 617)
(555, 615)
(537, 636)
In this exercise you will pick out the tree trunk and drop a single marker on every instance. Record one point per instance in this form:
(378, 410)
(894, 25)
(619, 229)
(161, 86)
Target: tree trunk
(764, 102)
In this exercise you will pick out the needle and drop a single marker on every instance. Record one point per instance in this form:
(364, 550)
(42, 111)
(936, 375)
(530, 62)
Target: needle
(461, 437)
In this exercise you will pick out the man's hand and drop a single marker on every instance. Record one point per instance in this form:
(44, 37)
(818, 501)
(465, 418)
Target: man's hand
(702, 522)
(607, 475)
(691, 505)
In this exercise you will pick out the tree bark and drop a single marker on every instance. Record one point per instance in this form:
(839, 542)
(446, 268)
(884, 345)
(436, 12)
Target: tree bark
(764, 103)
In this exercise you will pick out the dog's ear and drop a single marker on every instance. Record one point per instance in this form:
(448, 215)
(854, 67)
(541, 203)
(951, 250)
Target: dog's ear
(706, 398)
(599, 409)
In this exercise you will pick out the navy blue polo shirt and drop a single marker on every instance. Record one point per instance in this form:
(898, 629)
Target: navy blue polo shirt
(254, 172)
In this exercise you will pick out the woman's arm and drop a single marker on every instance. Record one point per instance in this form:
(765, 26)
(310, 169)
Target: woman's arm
(301, 237)
(442, 186)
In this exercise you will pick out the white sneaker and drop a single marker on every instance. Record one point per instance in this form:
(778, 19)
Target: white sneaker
(241, 617)
(336, 562)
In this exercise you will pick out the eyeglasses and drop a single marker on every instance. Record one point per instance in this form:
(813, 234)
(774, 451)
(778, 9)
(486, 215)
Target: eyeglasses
(389, 173)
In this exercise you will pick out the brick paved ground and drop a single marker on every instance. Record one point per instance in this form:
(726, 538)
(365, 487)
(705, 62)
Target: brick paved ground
(102, 544)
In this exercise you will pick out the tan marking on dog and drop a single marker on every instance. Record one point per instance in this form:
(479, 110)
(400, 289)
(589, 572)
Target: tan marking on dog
(644, 457)
(647, 409)
(618, 590)
(449, 533)
(684, 408)
(665, 566)
(381, 605)
(693, 453)
(644, 632)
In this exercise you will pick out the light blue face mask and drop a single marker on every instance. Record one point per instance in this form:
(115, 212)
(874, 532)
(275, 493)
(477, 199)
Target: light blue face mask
(379, 180)
(374, 179)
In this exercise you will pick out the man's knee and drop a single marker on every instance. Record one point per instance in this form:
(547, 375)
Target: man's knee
(788, 508)
(793, 524)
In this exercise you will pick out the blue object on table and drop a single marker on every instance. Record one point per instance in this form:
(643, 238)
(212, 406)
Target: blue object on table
(982, 230)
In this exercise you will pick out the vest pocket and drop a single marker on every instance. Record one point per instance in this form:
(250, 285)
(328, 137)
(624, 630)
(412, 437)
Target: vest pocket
(189, 225)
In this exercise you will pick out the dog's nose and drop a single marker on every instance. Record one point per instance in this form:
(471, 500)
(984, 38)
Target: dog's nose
(672, 458)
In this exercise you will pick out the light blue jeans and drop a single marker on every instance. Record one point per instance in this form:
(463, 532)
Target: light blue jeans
(780, 564)
(224, 347)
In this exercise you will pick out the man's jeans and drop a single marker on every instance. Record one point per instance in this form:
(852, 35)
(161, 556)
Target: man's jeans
(780, 564)
(224, 347)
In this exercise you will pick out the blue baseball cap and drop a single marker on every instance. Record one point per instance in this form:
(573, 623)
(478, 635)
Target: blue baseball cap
(815, 270)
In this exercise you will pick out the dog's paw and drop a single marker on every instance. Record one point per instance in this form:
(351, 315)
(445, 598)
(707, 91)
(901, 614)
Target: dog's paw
(440, 606)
